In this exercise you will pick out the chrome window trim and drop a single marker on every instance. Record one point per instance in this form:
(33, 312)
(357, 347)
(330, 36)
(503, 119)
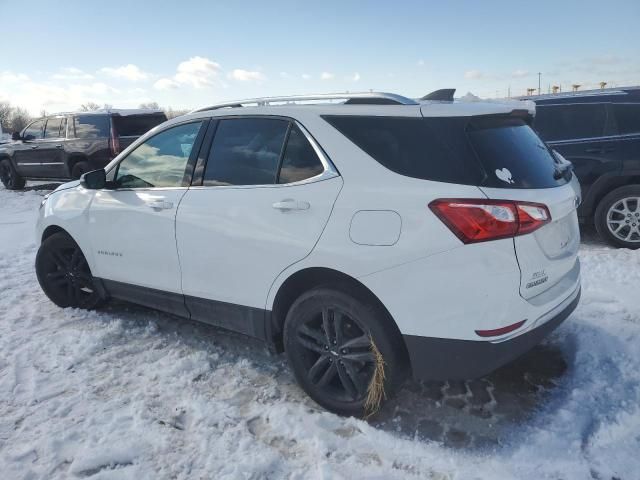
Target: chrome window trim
(626, 136)
(22, 164)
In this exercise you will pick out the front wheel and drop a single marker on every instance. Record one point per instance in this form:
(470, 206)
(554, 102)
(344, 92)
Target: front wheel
(64, 274)
(9, 177)
(617, 217)
(345, 352)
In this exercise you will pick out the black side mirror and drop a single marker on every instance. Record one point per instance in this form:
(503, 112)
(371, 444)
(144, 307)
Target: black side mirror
(94, 180)
(15, 136)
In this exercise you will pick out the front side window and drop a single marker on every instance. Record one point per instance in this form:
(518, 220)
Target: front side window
(91, 126)
(300, 160)
(54, 127)
(34, 131)
(568, 122)
(161, 161)
(246, 151)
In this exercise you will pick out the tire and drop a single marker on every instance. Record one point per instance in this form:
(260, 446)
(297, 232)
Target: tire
(64, 275)
(325, 365)
(617, 217)
(79, 169)
(9, 177)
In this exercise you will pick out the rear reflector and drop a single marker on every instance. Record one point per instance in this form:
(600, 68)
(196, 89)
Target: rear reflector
(499, 331)
(481, 220)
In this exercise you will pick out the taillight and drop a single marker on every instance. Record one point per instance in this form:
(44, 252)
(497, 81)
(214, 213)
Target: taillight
(481, 220)
(114, 141)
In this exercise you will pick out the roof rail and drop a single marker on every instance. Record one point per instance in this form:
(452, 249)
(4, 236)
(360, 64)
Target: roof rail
(351, 98)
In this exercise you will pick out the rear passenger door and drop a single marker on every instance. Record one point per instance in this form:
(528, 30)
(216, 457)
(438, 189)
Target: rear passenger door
(51, 148)
(627, 117)
(265, 194)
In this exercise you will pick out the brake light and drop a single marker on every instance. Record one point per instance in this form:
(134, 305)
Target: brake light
(114, 141)
(481, 220)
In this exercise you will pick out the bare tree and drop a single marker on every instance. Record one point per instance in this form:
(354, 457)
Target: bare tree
(171, 113)
(20, 118)
(5, 114)
(149, 106)
(89, 107)
(43, 113)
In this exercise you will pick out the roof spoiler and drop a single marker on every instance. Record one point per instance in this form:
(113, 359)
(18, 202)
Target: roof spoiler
(442, 95)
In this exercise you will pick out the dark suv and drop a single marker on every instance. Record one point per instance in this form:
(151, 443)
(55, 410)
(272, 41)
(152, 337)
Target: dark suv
(599, 132)
(64, 146)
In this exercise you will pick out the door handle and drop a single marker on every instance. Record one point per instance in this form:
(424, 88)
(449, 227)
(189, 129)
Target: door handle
(58, 146)
(33, 147)
(593, 150)
(160, 205)
(290, 204)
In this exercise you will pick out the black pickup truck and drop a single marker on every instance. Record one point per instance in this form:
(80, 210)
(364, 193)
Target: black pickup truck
(64, 146)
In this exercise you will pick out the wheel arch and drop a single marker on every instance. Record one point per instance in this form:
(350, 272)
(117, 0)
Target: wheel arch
(74, 158)
(602, 188)
(50, 230)
(304, 280)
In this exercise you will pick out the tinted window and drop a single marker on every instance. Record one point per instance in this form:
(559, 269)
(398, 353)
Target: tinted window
(53, 127)
(246, 151)
(34, 131)
(564, 122)
(512, 155)
(426, 148)
(91, 126)
(627, 117)
(160, 161)
(137, 125)
(300, 160)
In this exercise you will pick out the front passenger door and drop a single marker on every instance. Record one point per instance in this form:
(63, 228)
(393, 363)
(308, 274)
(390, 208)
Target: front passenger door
(132, 224)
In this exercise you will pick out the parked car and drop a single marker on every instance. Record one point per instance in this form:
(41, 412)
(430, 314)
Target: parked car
(599, 132)
(64, 146)
(370, 240)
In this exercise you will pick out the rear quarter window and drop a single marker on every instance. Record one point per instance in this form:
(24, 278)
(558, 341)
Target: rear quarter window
(567, 122)
(90, 126)
(136, 125)
(627, 117)
(424, 148)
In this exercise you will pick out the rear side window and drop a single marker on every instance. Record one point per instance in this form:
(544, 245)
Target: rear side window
(246, 151)
(512, 155)
(567, 122)
(90, 126)
(425, 148)
(300, 160)
(627, 117)
(136, 125)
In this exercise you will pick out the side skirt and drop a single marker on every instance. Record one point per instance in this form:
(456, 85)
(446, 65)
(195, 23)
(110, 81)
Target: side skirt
(249, 321)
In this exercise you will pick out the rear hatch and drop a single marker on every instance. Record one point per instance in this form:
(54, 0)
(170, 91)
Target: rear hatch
(518, 166)
(129, 127)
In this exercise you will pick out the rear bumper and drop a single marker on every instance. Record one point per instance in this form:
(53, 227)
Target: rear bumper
(450, 359)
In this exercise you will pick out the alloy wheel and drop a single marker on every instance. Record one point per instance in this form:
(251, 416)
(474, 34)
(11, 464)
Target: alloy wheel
(623, 219)
(67, 276)
(338, 358)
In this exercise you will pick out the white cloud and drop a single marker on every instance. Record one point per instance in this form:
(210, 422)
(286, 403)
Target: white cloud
(306, 76)
(520, 73)
(10, 77)
(327, 76)
(165, 84)
(198, 72)
(473, 75)
(129, 72)
(355, 77)
(284, 75)
(420, 63)
(246, 75)
(72, 73)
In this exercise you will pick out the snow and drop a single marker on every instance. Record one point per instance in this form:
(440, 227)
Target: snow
(128, 393)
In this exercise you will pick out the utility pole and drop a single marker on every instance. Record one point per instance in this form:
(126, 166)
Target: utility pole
(539, 76)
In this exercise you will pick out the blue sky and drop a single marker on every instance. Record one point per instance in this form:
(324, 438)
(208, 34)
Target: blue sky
(189, 53)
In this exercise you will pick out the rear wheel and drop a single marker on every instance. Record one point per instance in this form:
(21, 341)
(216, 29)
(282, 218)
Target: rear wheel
(9, 177)
(342, 349)
(617, 217)
(64, 274)
(79, 169)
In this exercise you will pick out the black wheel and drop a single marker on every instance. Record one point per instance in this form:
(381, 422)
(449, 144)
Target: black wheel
(9, 177)
(617, 217)
(79, 169)
(328, 338)
(64, 275)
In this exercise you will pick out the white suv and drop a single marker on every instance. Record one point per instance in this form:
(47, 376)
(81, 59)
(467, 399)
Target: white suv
(370, 239)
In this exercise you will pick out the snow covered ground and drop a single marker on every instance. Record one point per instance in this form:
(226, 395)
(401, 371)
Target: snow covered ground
(128, 393)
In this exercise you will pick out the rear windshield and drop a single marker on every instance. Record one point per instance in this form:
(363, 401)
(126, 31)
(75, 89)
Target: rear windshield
(137, 125)
(492, 151)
